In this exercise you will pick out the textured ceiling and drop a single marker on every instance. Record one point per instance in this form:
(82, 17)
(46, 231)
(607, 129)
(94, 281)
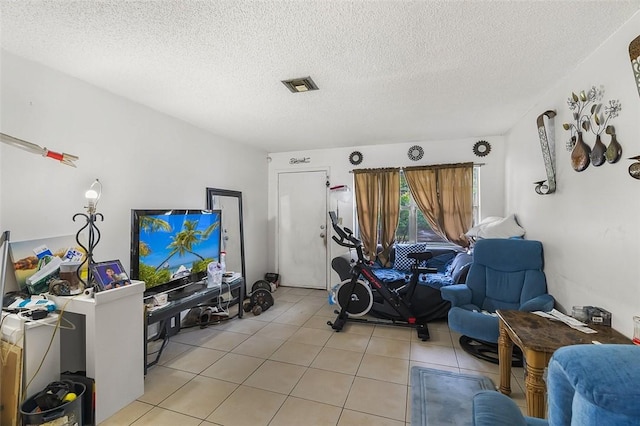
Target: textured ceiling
(388, 71)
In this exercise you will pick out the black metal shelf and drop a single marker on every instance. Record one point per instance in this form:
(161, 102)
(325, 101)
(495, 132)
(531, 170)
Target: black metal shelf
(175, 307)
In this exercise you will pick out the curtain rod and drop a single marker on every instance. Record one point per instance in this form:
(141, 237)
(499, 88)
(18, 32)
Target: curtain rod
(426, 166)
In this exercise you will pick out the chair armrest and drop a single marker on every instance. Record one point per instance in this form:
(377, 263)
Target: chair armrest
(544, 303)
(594, 385)
(491, 408)
(457, 294)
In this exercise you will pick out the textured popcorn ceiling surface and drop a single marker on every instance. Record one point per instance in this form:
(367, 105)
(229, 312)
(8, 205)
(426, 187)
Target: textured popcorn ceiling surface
(388, 71)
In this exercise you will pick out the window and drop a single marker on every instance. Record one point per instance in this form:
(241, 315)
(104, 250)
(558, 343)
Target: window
(413, 226)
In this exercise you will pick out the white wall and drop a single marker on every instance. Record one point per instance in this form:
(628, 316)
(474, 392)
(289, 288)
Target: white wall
(143, 158)
(589, 227)
(336, 160)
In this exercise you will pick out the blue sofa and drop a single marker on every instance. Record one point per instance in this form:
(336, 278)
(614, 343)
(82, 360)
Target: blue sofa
(587, 385)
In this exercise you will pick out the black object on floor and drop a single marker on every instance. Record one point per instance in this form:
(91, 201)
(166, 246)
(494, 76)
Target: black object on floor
(88, 398)
(489, 351)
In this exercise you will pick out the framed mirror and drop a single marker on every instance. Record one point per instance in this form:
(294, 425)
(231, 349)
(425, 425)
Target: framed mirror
(230, 202)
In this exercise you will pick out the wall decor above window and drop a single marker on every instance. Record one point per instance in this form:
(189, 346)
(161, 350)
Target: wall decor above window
(415, 153)
(589, 116)
(355, 158)
(482, 148)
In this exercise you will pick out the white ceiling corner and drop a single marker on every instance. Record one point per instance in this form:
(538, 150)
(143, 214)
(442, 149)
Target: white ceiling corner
(388, 71)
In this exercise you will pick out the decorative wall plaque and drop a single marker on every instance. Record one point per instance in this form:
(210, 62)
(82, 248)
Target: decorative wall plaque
(548, 147)
(634, 55)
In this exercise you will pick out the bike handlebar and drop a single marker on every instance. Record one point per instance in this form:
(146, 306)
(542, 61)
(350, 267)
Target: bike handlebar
(344, 234)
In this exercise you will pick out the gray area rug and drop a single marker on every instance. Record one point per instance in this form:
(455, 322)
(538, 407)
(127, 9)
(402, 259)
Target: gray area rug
(444, 398)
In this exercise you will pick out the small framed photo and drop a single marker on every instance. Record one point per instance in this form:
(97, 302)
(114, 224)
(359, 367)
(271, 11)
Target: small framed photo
(110, 274)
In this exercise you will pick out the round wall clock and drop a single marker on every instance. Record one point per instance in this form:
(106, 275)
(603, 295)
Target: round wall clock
(481, 148)
(415, 153)
(355, 158)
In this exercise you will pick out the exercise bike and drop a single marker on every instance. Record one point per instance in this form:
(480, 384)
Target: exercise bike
(356, 297)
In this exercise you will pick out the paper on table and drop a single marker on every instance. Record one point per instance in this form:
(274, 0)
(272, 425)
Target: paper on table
(554, 314)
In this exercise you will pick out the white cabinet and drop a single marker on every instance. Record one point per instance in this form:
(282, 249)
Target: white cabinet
(35, 339)
(107, 344)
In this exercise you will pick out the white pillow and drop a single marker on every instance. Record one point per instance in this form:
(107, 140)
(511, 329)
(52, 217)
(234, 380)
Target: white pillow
(477, 230)
(490, 219)
(493, 227)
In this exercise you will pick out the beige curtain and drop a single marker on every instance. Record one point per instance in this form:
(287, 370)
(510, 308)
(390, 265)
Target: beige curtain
(377, 203)
(444, 195)
(367, 200)
(389, 212)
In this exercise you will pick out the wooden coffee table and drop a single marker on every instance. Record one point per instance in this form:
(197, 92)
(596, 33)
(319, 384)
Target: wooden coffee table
(538, 338)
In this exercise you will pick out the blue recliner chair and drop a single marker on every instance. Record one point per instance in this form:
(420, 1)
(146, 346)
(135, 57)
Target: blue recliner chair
(587, 385)
(505, 274)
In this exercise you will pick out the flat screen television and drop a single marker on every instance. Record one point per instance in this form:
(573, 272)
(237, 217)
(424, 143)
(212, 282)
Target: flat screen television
(171, 249)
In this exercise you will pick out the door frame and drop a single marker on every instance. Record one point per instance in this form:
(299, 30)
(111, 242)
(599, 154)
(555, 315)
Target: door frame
(326, 216)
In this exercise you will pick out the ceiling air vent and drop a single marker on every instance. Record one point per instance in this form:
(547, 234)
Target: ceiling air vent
(298, 85)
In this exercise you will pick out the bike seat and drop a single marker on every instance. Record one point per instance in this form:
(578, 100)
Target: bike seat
(421, 256)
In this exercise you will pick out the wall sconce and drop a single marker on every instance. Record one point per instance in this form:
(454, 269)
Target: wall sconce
(92, 195)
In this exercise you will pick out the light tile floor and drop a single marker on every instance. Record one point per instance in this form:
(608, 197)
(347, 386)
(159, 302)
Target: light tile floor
(288, 367)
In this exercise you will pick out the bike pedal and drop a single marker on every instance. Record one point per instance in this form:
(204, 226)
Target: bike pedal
(423, 332)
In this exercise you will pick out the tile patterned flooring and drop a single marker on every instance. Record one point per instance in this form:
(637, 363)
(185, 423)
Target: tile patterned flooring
(288, 367)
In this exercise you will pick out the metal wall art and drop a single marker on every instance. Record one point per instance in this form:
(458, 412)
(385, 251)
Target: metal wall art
(589, 117)
(614, 150)
(634, 55)
(482, 148)
(355, 158)
(63, 157)
(548, 147)
(415, 153)
(634, 169)
(301, 160)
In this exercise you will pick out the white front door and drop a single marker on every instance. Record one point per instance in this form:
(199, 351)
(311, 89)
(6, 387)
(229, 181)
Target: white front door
(302, 229)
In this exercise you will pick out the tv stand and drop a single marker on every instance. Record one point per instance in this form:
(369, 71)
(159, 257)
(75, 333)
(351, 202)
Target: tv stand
(186, 291)
(169, 315)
